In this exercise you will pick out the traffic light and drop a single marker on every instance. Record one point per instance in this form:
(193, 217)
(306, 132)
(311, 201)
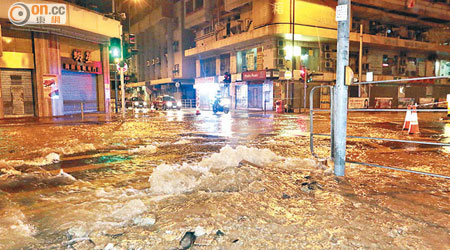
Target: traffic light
(114, 50)
(129, 46)
(305, 75)
(132, 40)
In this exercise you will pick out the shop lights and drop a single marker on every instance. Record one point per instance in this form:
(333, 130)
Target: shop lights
(291, 52)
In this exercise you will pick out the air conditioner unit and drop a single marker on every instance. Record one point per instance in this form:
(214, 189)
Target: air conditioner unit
(329, 65)
(281, 52)
(281, 43)
(330, 55)
(326, 47)
(280, 62)
(402, 70)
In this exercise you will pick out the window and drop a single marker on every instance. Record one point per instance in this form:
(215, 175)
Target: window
(168, 99)
(198, 4)
(208, 67)
(193, 5)
(189, 6)
(224, 64)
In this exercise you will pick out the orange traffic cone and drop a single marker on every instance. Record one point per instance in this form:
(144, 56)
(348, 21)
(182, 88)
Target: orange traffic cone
(197, 111)
(414, 124)
(407, 118)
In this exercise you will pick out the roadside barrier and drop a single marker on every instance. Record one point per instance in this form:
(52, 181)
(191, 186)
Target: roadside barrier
(413, 126)
(414, 123)
(407, 118)
(197, 110)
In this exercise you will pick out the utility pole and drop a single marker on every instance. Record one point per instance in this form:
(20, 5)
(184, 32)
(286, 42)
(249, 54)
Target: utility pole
(360, 59)
(343, 15)
(294, 66)
(122, 82)
(116, 90)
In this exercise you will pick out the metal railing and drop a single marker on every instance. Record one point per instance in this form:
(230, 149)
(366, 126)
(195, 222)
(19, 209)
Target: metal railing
(188, 103)
(311, 119)
(80, 107)
(331, 135)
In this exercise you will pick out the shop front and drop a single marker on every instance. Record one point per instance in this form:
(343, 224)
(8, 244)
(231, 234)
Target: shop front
(256, 92)
(16, 74)
(47, 71)
(207, 88)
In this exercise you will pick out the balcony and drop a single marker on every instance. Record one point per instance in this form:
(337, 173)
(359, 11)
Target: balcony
(427, 10)
(233, 4)
(154, 17)
(198, 13)
(197, 18)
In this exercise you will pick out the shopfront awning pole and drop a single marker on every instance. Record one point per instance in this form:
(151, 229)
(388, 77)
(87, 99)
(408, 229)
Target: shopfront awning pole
(341, 93)
(116, 101)
(122, 82)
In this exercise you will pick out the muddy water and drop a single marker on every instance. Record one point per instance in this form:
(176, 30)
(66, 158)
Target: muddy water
(163, 167)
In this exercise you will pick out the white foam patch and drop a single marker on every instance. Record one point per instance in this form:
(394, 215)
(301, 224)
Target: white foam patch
(182, 141)
(63, 176)
(218, 172)
(129, 210)
(77, 148)
(72, 147)
(150, 149)
(229, 157)
(14, 228)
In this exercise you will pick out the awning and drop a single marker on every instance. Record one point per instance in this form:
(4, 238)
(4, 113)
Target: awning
(135, 84)
(161, 81)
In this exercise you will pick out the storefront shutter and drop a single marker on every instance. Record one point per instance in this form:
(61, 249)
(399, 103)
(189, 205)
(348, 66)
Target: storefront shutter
(76, 88)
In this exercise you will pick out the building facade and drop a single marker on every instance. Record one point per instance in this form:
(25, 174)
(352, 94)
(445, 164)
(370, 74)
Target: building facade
(49, 70)
(160, 65)
(280, 49)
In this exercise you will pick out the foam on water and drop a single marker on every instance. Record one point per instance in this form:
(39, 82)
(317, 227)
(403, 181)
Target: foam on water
(48, 159)
(182, 141)
(14, 227)
(150, 149)
(217, 172)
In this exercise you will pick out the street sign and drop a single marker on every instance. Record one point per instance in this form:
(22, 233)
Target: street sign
(124, 68)
(177, 84)
(341, 12)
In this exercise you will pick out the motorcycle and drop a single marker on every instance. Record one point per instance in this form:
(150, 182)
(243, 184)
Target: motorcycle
(221, 105)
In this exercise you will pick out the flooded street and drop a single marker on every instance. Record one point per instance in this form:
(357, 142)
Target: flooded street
(245, 180)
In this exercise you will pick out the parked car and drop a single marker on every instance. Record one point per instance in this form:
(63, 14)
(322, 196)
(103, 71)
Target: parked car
(135, 102)
(166, 102)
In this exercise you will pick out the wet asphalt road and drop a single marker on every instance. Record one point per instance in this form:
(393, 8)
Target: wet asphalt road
(107, 153)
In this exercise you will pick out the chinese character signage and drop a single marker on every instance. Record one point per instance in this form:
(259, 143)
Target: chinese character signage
(81, 61)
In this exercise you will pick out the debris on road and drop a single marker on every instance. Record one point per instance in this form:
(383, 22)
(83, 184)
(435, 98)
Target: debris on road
(144, 221)
(188, 240)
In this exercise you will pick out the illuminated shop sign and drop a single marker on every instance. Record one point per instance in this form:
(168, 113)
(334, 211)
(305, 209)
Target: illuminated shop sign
(254, 75)
(81, 62)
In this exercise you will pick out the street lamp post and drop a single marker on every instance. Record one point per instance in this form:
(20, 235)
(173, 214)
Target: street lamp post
(340, 92)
